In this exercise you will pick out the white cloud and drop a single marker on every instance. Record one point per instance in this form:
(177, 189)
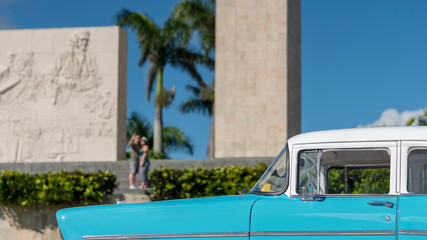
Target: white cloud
(392, 117)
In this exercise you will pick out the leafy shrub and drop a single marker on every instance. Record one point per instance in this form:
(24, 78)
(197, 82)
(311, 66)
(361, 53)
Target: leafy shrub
(154, 155)
(362, 181)
(54, 188)
(171, 183)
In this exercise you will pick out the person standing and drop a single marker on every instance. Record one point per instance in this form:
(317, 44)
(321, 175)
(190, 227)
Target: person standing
(135, 147)
(144, 163)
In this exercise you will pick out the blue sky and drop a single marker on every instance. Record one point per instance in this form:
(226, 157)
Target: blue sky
(363, 61)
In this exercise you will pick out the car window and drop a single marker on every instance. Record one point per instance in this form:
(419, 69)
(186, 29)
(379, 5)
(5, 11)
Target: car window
(417, 171)
(307, 170)
(275, 180)
(344, 171)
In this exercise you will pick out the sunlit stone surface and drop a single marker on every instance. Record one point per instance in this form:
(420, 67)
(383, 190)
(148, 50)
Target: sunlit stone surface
(257, 76)
(62, 94)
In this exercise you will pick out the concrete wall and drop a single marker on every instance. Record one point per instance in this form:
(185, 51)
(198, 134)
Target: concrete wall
(39, 223)
(257, 76)
(63, 94)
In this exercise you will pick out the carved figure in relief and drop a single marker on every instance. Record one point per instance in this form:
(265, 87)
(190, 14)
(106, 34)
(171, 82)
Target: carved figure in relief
(16, 77)
(101, 104)
(75, 71)
(71, 83)
(106, 129)
(24, 138)
(107, 106)
(31, 141)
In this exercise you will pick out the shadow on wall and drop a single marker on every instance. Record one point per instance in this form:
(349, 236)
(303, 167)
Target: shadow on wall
(37, 220)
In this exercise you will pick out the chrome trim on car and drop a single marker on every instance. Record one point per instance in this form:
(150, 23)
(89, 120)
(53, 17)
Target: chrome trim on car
(255, 233)
(348, 195)
(413, 232)
(172, 235)
(323, 233)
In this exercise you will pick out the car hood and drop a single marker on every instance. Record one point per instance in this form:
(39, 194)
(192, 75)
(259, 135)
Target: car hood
(227, 214)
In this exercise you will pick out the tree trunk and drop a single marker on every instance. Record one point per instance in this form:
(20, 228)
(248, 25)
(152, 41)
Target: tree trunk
(211, 146)
(158, 130)
(158, 119)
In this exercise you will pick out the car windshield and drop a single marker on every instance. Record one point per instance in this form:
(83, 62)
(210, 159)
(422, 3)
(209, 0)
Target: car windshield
(275, 179)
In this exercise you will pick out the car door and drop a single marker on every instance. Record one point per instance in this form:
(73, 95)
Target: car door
(331, 215)
(413, 199)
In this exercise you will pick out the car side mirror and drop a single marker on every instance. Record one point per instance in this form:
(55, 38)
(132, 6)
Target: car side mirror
(307, 195)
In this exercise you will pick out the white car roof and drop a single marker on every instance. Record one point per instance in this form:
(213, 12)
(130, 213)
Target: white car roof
(362, 134)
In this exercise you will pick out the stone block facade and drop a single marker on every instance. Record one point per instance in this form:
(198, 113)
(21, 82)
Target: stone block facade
(63, 94)
(257, 76)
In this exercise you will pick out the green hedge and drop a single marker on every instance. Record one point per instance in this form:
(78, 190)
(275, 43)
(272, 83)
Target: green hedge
(54, 188)
(360, 181)
(171, 183)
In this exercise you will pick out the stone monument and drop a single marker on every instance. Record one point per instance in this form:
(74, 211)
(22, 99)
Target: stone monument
(257, 76)
(63, 94)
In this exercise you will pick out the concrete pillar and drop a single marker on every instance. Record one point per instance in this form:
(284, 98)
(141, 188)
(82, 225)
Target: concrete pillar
(257, 76)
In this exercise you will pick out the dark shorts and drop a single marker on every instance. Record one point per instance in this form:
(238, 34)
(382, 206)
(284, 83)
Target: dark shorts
(134, 166)
(144, 171)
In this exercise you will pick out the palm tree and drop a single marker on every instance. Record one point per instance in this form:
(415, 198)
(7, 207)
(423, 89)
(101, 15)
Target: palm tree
(174, 138)
(200, 17)
(202, 102)
(420, 120)
(138, 124)
(160, 46)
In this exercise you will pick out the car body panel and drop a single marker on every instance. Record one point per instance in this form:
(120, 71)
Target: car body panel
(229, 214)
(333, 216)
(412, 217)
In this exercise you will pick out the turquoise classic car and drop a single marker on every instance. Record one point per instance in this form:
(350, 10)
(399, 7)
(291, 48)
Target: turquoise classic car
(365, 183)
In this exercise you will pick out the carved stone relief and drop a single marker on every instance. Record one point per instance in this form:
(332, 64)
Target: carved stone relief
(16, 77)
(75, 72)
(50, 114)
